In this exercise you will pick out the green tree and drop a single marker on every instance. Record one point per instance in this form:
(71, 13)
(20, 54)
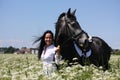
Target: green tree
(10, 49)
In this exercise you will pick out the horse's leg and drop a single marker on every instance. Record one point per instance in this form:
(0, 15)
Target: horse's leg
(106, 64)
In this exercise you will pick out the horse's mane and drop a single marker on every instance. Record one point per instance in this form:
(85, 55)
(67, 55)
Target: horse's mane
(59, 27)
(57, 24)
(61, 15)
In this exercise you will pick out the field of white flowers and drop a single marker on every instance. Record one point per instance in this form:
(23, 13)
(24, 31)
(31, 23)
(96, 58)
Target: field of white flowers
(27, 67)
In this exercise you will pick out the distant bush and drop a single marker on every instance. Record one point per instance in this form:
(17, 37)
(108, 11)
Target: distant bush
(116, 52)
(10, 49)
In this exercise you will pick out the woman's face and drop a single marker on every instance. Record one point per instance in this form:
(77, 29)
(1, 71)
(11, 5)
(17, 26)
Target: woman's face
(48, 39)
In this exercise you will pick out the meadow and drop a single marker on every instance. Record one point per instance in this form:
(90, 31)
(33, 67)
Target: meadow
(27, 67)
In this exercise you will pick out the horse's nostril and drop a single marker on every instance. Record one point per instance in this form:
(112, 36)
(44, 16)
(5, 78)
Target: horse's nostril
(84, 50)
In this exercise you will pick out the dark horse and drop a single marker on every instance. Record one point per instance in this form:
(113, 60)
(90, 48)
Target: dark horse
(75, 42)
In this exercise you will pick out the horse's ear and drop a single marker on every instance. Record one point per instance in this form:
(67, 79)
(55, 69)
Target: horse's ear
(74, 12)
(69, 10)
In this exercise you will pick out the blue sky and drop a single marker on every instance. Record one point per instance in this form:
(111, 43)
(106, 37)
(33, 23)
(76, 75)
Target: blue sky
(22, 20)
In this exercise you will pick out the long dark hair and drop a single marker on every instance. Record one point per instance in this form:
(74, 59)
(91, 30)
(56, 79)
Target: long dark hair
(42, 43)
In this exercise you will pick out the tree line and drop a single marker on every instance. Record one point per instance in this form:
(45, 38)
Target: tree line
(9, 49)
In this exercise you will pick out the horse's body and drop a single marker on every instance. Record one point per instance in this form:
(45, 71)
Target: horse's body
(68, 32)
(100, 52)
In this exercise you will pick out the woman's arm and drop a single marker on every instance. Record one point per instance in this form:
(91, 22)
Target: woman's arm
(58, 57)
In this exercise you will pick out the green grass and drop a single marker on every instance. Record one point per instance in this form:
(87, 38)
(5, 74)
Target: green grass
(26, 66)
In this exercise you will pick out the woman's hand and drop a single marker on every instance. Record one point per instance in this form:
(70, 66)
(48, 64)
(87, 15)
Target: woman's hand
(58, 50)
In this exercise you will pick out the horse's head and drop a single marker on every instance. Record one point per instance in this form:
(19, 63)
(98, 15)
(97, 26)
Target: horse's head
(67, 27)
(83, 41)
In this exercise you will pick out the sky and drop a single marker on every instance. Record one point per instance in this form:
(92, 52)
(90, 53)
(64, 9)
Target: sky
(21, 21)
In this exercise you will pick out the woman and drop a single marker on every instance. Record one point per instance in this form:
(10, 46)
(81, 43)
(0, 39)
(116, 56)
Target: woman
(48, 52)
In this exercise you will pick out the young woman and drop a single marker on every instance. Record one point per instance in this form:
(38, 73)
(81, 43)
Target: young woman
(48, 52)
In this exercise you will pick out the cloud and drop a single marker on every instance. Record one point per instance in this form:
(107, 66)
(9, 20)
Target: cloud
(16, 43)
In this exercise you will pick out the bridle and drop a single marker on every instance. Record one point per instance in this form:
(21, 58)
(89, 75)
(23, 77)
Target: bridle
(70, 26)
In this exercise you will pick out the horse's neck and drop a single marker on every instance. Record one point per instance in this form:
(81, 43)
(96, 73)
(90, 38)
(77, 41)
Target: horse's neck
(78, 30)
